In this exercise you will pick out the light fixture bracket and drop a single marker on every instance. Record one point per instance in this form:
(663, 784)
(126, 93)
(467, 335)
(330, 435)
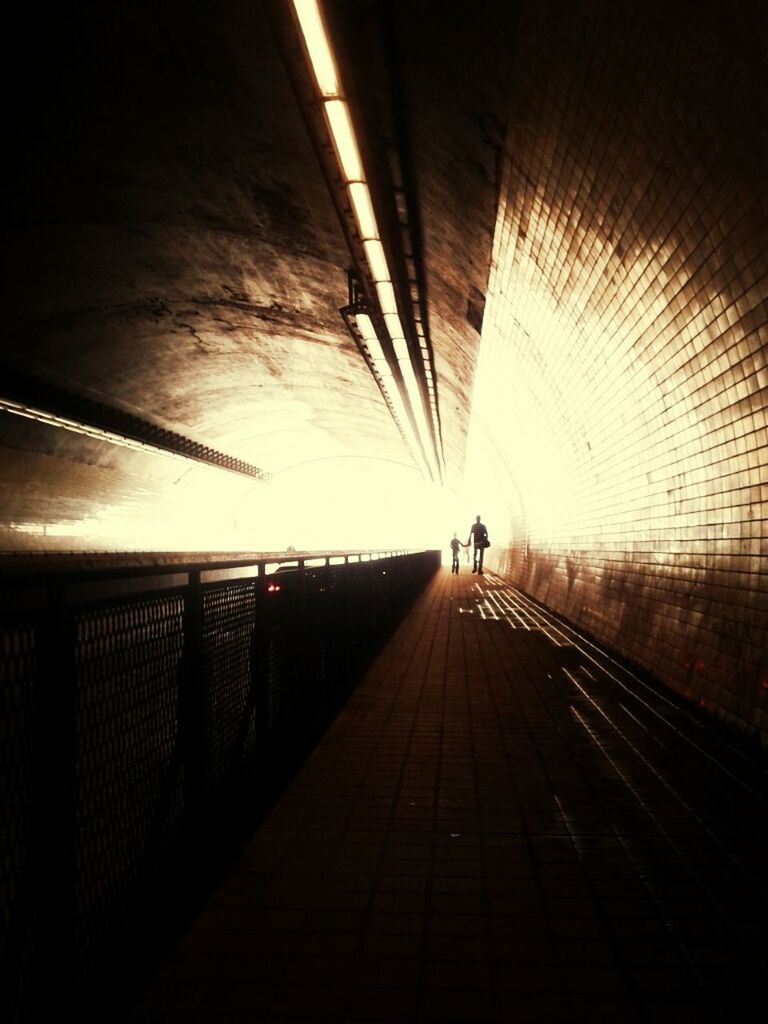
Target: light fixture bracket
(358, 302)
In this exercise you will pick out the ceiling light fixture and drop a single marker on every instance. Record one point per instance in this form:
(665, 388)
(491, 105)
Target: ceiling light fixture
(316, 38)
(341, 130)
(344, 141)
(361, 327)
(51, 419)
(362, 208)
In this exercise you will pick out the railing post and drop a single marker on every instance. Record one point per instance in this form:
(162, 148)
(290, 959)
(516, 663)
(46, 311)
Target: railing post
(54, 845)
(191, 711)
(303, 624)
(260, 675)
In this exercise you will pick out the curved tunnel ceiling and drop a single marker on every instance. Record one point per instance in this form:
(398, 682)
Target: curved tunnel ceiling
(178, 259)
(590, 174)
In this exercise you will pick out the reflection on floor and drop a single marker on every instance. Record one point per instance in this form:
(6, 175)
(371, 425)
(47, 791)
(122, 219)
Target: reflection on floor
(503, 825)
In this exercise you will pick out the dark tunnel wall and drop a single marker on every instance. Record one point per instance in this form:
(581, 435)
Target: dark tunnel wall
(624, 371)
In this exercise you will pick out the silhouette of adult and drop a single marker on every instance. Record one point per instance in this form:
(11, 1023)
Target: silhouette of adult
(478, 537)
(455, 545)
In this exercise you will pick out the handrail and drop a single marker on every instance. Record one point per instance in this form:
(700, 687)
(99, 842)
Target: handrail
(22, 564)
(149, 712)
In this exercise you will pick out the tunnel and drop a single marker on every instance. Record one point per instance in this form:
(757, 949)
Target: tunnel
(295, 291)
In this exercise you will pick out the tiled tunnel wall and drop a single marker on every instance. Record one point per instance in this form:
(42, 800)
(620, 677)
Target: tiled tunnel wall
(624, 370)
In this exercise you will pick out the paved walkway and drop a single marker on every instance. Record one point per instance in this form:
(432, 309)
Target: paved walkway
(502, 826)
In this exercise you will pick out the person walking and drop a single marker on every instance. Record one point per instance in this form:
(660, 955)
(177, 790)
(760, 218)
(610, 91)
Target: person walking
(478, 537)
(455, 545)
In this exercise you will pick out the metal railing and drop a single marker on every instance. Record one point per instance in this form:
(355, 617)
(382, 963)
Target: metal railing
(147, 717)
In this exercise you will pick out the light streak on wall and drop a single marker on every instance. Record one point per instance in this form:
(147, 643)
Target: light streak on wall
(623, 368)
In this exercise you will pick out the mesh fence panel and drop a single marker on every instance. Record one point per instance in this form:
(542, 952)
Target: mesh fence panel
(228, 657)
(130, 727)
(18, 720)
(129, 777)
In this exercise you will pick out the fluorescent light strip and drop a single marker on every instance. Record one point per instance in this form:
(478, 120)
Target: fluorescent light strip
(414, 396)
(344, 141)
(413, 392)
(386, 294)
(31, 412)
(362, 207)
(342, 133)
(404, 422)
(382, 367)
(64, 423)
(365, 326)
(401, 351)
(377, 354)
(394, 325)
(316, 42)
(377, 261)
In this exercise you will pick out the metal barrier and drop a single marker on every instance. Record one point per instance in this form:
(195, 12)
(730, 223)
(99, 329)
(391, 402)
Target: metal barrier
(147, 716)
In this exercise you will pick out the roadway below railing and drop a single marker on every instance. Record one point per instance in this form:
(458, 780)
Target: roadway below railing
(149, 713)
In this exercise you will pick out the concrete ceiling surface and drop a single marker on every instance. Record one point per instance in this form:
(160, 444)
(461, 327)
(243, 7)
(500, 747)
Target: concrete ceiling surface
(173, 256)
(175, 252)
